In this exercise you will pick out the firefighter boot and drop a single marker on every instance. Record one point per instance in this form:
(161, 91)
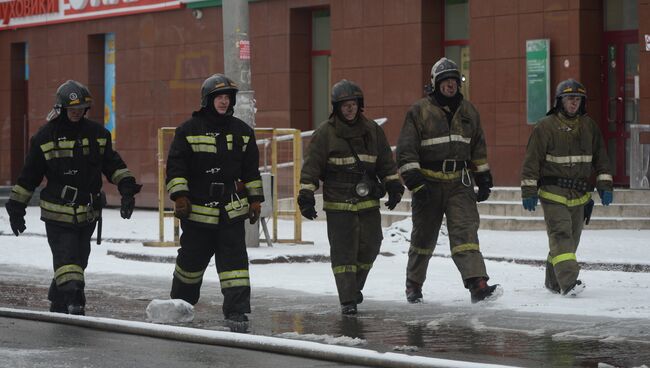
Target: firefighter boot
(359, 297)
(413, 292)
(575, 289)
(480, 290)
(237, 322)
(349, 308)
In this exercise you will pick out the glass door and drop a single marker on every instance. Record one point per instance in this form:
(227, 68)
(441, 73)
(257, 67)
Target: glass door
(621, 98)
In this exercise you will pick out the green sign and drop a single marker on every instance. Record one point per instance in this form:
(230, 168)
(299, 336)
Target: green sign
(538, 79)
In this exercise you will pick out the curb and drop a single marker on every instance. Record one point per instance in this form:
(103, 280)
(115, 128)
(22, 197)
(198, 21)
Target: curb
(308, 349)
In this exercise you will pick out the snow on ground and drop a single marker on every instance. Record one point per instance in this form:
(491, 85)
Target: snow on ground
(609, 293)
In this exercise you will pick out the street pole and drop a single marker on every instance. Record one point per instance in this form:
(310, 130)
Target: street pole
(237, 65)
(237, 56)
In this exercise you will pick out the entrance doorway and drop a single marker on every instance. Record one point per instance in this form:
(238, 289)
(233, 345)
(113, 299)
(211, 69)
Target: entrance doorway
(621, 99)
(19, 124)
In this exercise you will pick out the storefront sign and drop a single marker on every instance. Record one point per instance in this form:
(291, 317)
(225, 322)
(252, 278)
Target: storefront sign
(538, 79)
(30, 13)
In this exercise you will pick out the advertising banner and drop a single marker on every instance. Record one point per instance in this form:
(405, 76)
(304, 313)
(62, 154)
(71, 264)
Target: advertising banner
(538, 79)
(31, 13)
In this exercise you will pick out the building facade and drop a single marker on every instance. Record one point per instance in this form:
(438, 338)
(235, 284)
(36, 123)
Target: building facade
(144, 61)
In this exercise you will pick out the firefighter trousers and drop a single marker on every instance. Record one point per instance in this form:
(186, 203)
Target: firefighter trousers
(564, 228)
(227, 243)
(70, 246)
(458, 203)
(355, 239)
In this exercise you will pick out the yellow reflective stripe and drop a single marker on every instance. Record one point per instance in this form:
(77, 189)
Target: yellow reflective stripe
(86, 151)
(235, 283)
(569, 159)
(604, 177)
(203, 210)
(447, 139)
(202, 218)
(311, 187)
(62, 217)
(67, 273)
(245, 138)
(47, 146)
(20, 194)
(65, 144)
(464, 248)
(418, 188)
(253, 184)
(479, 161)
(563, 200)
(391, 177)
(349, 160)
(483, 167)
(58, 154)
(237, 207)
(234, 274)
(204, 148)
(563, 257)
(177, 185)
(188, 277)
(85, 142)
(229, 141)
(344, 206)
(440, 175)
(422, 251)
(120, 174)
(63, 208)
(529, 182)
(364, 266)
(102, 142)
(201, 139)
(344, 269)
(409, 166)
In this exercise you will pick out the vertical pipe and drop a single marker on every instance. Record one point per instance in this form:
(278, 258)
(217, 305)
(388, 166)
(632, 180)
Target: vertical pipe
(274, 171)
(161, 192)
(297, 166)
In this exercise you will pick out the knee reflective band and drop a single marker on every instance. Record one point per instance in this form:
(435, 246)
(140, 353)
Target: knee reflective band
(563, 257)
(70, 272)
(344, 269)
(422, 251)
(234, 278)
(364, 266)
(188, 277)
(464, 248)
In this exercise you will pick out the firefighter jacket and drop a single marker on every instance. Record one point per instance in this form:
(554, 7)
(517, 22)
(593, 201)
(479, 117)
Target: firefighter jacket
(434, 148)
(564, 148)
(72, 157)
(330, 159)
(214, 161)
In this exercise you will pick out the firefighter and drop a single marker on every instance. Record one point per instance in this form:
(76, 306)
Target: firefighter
(563, 151)
(71, 152)
(214, 180)
(351, 155)
(441, 154)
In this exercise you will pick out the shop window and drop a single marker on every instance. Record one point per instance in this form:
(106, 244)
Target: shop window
(621, 15)
(456, 38)
(320, 66)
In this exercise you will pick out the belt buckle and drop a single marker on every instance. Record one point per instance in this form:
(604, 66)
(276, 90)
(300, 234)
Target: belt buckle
(444, 166)
(64, 192)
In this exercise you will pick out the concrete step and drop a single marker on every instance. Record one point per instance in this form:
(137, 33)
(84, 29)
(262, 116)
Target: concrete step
(636, 196)
(515, 209)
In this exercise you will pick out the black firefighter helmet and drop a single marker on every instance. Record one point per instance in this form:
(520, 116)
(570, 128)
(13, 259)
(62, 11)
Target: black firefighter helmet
(218, 84)
(444, 69)
(569, 87)
(70, 94)
(345, 90)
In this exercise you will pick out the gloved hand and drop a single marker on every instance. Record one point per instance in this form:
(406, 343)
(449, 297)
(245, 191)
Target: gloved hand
(16, 211)
(484, 183)
(307, 203)
(529, 203)
(182, 207)
(127, 206)
(422, 194)
(395, 191)
(254, 212)
(606, 197)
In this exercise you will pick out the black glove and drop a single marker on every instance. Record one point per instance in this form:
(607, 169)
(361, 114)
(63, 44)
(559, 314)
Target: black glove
(307, 203)
(127, 206)
(16, 211)
(395, 191)
(484, 183)
(422, 194)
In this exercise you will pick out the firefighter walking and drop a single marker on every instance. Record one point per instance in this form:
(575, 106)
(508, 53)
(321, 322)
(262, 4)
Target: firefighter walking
(214, 180)
(72, 153)
(441, 154)
(351, 155)
(563, 151)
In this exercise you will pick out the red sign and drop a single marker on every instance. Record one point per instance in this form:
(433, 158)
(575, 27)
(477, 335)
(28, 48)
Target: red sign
(85, 6)
(26, 8)
(244, 50)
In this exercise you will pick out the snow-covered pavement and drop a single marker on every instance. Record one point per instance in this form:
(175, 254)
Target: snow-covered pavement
(612, 294)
